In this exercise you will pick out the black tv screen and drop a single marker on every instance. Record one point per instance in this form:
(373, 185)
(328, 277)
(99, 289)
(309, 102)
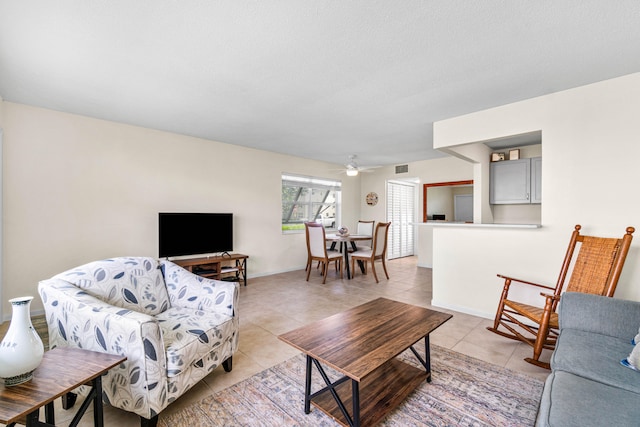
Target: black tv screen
(194, 233)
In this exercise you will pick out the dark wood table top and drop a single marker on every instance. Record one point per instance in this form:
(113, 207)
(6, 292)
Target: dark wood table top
(62, 370)
(358, 341)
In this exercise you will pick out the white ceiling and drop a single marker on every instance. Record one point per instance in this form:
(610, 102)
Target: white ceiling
(313, 78)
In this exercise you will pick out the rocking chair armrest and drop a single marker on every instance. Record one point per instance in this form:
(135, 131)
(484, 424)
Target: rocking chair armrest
(513, 279)
(552, 296)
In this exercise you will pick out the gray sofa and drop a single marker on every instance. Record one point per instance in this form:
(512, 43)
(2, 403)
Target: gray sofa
(588, 386)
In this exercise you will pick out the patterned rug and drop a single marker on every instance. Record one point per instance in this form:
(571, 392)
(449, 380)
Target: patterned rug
(464, 392)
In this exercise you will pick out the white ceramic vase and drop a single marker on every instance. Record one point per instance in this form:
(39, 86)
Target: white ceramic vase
(21, 349)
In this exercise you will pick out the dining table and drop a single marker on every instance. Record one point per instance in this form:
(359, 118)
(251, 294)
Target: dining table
(344, 240)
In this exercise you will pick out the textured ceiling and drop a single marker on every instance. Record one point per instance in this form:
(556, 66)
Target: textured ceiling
(316, 79)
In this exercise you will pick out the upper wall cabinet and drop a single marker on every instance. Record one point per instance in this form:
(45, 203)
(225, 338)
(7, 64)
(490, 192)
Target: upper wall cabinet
(516, 182)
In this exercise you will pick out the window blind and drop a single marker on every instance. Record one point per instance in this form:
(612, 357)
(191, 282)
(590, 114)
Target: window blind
(401, 212)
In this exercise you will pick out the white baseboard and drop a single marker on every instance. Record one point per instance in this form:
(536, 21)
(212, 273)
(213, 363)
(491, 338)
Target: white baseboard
(462, 309)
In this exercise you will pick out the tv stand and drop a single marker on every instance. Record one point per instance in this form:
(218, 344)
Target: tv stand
(218, 267)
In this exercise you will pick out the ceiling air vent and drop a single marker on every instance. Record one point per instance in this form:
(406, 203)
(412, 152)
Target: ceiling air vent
(402, 169)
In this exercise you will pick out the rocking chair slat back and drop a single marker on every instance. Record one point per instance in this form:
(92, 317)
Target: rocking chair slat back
(594, 268)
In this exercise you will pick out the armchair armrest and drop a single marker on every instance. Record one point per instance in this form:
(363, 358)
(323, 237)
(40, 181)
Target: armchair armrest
(189, 290)
(603, 315)
(77, 319)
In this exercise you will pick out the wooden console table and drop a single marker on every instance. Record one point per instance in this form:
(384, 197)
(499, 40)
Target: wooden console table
(225, 267)
(62, 370)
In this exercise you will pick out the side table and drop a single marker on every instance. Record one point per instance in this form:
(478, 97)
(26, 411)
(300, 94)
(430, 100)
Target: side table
(61, 371)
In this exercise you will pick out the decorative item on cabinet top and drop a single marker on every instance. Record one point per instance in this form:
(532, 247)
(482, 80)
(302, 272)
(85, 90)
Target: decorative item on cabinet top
(497, 157)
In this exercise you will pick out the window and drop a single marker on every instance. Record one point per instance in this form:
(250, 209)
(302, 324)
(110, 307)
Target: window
(307, 198)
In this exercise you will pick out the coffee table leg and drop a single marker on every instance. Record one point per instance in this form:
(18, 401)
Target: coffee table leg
(355, 397)
(307, 387)
(427, 360)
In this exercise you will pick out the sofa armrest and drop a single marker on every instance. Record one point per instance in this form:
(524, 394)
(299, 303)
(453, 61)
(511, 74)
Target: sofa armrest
(189, 290)
(598, 314)
(77, 319)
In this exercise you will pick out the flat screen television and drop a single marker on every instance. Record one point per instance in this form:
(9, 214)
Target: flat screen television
(194, 233)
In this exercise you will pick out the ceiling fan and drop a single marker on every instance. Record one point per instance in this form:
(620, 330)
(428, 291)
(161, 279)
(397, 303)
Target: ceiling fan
(352, 168)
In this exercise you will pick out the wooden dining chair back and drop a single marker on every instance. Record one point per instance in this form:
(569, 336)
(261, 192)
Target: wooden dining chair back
(377, 252)
(595, 269)
(317, 250)
(365, 228)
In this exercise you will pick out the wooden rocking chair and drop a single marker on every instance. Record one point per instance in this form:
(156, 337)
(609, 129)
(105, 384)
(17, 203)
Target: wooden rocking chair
(596, 270)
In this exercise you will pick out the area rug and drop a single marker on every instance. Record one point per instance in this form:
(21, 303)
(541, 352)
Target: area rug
(464, 392)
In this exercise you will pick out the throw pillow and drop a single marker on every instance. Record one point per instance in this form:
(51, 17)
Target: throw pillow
(636, 339)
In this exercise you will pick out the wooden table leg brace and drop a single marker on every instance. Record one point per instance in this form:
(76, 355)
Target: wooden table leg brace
(353, 420)
(95, 396)
(355, 387)
(427, 360)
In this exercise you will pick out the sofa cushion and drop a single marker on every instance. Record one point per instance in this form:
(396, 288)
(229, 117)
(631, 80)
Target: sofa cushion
(596, 357)
(134, 283)
(190, 335)
(196, 292)
(570, 400)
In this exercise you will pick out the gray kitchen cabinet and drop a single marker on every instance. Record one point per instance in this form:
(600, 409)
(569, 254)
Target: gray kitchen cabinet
(516, 182)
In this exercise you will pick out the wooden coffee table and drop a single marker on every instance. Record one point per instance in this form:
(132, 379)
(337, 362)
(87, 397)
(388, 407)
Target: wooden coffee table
(362, 343)
(61, 371)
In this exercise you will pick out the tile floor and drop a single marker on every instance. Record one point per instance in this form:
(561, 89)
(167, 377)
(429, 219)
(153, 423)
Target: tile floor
(275, 304)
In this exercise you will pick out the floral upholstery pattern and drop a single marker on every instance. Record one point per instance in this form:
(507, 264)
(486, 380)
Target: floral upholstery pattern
(199, 294)
(133, 283)
(190, 335)
(174, 327)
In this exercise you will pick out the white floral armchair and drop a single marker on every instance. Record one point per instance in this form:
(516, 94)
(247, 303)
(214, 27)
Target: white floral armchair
(174, 327)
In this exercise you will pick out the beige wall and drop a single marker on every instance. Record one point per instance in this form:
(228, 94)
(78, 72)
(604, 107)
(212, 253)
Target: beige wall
(78, 189)
(590, 154)
(2, 293)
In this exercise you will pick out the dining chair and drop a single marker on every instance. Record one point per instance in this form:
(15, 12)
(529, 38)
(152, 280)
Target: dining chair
(595, 269)
(317, 250)
(377, 252)
(365, 228)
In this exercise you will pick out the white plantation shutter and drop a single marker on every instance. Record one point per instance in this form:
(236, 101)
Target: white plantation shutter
(401, 211)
